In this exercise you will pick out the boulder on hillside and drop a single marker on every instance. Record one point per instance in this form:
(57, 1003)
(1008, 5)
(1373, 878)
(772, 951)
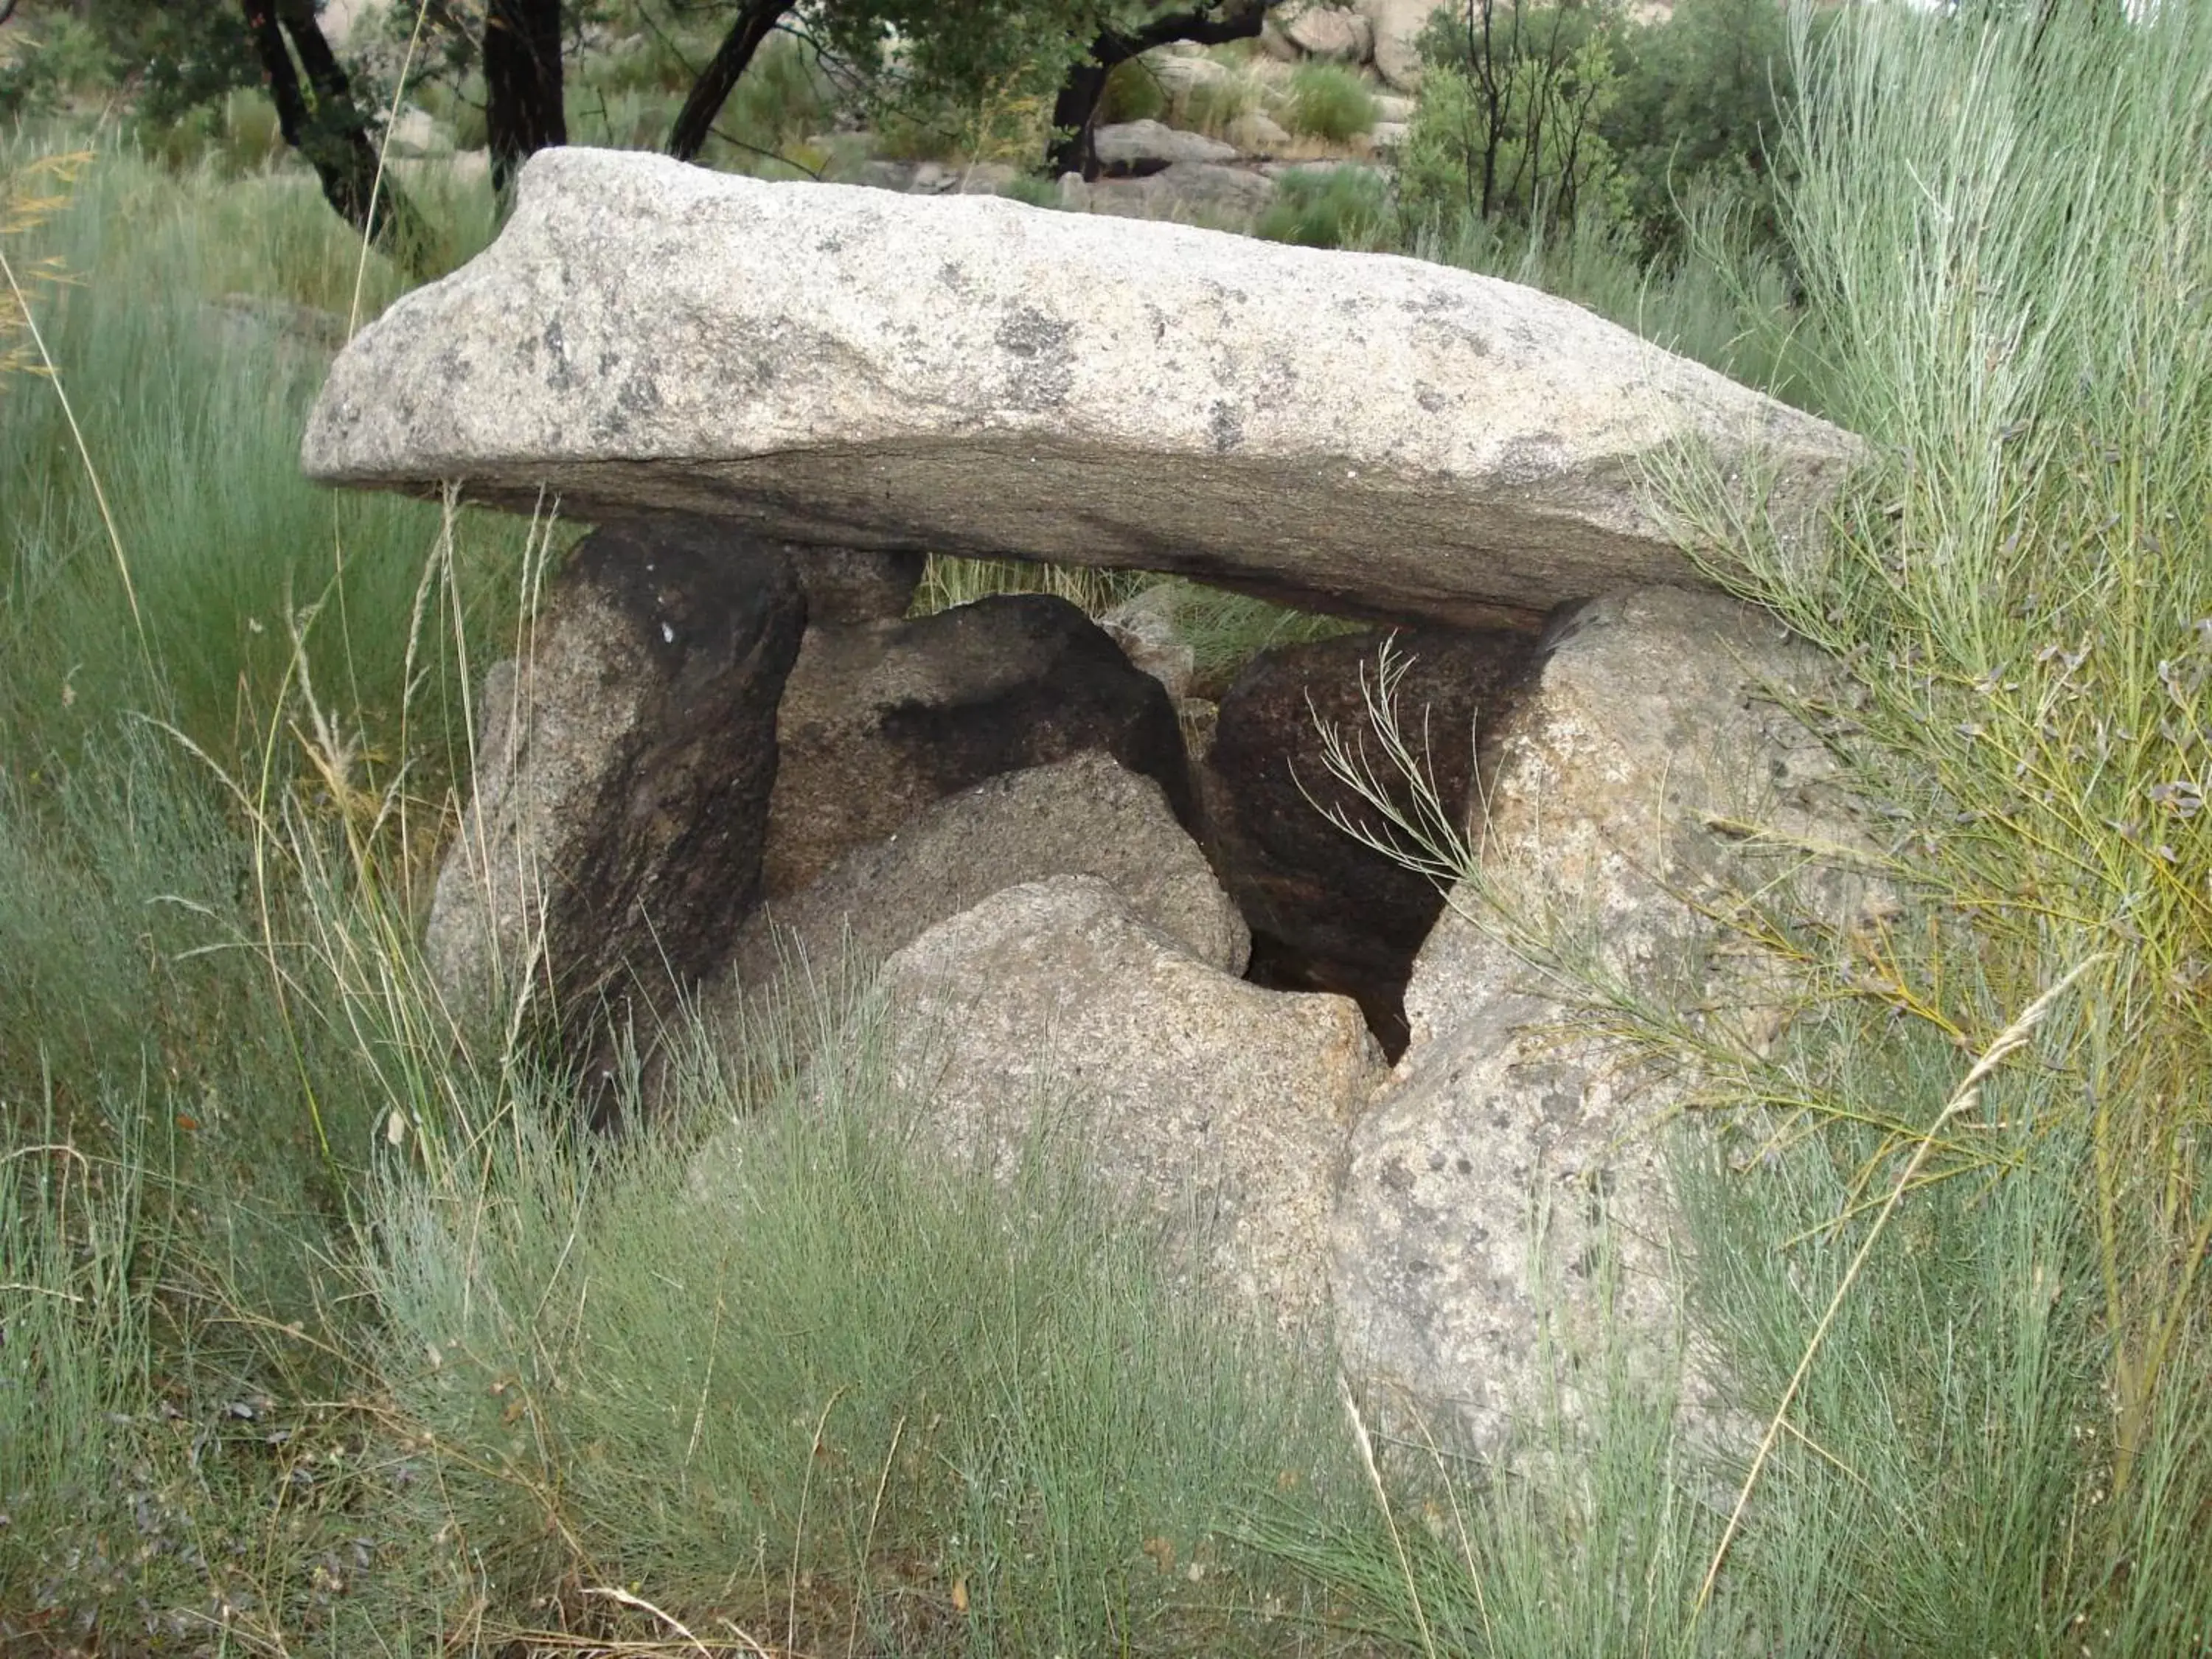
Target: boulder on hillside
(1355, 433)
(1180, 76)
(1505, 1215)
(623, 775)
(1256, 133)
(936, 177)
(881, 721)
(1330, 33)
(1220, 1108)
(1083, 816)
(1182, 191)
(1398, 25)
(1128, 148)
(1329, 912)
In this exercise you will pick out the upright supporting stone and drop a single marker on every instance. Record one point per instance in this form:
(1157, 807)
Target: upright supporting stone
(623, 779)
(1506, 1214)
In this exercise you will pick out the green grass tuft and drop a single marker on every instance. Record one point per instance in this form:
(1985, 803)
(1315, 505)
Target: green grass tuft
(1329, 101)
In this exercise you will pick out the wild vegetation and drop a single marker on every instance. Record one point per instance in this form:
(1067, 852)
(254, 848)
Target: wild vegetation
(319, 1331)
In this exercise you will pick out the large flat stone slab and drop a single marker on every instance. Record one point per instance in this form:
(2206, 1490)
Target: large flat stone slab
(1353, 432)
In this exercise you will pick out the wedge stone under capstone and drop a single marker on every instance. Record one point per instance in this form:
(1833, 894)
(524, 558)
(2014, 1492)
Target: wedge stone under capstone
(1358, 433)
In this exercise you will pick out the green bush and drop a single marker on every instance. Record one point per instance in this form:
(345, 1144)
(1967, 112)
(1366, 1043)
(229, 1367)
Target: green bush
(620, 120)
(466, 115)
(1704, 99)
(39, 72)
(1509, 129)
(1689, 109)
(783, 97)
(1210, 106)
(235, 135)
(1340, 207)
(1028, 188)
(1329, 101)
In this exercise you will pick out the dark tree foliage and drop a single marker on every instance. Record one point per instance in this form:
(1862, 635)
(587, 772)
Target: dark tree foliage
(1531, 99)
(1703, 100)
(522, 108)
(1063, 48)
(1075, 110)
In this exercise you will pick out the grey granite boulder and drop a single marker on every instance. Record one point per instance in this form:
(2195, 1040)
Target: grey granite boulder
(1138, 146)
(1086, 815)
(1506, 1214)
(1329, 32)
(882, 720)
(1186, 191)
(1397, 26)
(1218, 1107)
(1359, 433)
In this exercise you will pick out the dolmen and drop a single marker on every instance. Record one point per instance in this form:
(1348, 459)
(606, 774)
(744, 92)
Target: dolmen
(1368, 1103)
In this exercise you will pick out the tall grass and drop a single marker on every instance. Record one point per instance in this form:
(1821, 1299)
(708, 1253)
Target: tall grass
(224, 1424)
(801, 1383)
(154, 1015)
(1329, 101)
(2013, 300)
(1718, 299)
(1974, 1312)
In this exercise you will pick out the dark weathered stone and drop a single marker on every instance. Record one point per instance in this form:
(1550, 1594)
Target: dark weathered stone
(856, 584)
(1328, 912)
(621, 797)
(882, 720)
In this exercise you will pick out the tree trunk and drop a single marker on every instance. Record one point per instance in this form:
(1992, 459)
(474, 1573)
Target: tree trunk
(694, 122)
(523, 110)
(1072, 147)
(321, 121)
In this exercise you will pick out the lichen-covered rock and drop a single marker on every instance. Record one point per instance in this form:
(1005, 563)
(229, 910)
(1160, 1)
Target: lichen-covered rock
(1204, 192)
(1218, 1107)
(1397, 26)
(1138, 146)
(1358, 434)
(1331, 33)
